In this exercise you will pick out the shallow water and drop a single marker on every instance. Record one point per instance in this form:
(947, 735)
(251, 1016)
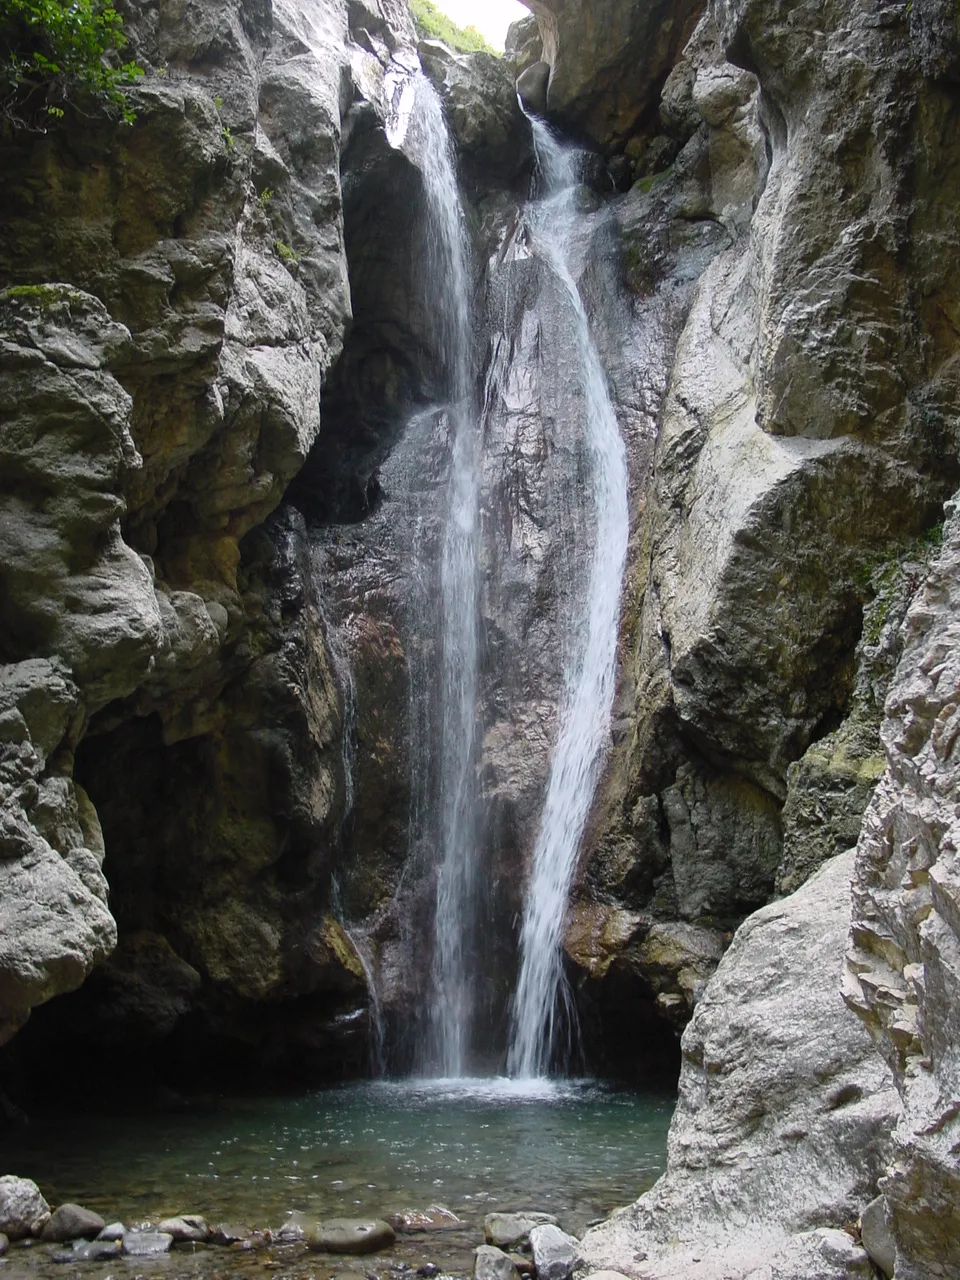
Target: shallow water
(576, 1149)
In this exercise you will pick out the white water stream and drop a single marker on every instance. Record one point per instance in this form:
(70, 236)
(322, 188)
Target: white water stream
(427, 142)
(590, 675)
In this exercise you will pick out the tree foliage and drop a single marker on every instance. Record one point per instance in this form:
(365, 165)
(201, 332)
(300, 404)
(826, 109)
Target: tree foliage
(59, 51)
(431, 24)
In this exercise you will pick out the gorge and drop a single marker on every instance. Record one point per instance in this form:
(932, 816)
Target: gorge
(478, 586)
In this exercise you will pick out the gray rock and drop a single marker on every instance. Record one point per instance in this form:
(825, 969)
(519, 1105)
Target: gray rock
(227, 1233)
(23, 1210)
(905, 935)
(422, 1221)
(72, 1222)
(532, 88)
(555, 1254)
(146, 1244)
(113, 1231)
(346, 1235)
(188, 1227)
(4, 1244)
(90, 1251)
(608, 61)
(490, 1263)
(877, 1237)
(784, 1116)
(512, 1230)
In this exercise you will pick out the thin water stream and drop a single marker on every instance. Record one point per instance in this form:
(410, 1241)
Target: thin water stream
(590, 675)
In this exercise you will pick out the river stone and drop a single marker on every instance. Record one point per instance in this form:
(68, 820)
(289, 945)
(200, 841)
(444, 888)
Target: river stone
(113, 1231)
(188, 1228)
(493, 1264)
(512, 1230)
(72, 1222)
(90, 1251)
(418, 1221)
(346, 1235)
(227, 1233)
(23, 1210)
(877, 1237)
(4, 1244)
(147, 1244)
(555, 1254)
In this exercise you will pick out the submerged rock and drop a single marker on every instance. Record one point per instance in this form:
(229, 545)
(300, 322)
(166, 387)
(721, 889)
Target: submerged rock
(90, 1251)
(417, 1221)
(23, 1210)
(345, 1235)
(147, 1244)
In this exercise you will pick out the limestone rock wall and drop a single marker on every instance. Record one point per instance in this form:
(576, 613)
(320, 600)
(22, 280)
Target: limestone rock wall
(903, 960)
(176, 294)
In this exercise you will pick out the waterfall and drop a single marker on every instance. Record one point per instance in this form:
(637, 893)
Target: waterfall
(590, 672)
(455, 833)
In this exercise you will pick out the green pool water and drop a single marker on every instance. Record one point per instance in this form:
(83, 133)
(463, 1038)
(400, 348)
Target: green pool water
(574, 1148)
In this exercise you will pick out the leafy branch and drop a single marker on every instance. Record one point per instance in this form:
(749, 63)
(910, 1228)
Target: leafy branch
(53, 52)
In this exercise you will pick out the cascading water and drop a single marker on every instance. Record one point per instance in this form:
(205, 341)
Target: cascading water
(427, 141)
(590, 674)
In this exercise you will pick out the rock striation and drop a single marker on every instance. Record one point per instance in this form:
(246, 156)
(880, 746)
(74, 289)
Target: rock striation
(904, 952)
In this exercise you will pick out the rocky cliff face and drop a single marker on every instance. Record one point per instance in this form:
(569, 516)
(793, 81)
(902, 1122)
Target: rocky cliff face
(177, 296)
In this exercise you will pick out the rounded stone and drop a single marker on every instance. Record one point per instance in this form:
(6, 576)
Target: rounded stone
(72, 1222)
(345, 1235)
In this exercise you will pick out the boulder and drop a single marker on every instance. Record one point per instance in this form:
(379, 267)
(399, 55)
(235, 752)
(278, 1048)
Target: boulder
(877, 1238)
(23, 1210)
(493, 1264)
(512, 1230)
(345, 1235)
(784, 1117)
(532, 88)
(608, 60)
(555, 1254)
(72, 1222)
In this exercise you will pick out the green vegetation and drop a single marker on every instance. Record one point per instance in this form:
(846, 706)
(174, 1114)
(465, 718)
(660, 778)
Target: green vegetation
(44, 295)
(431, 24)
(286, 254)
(54, 52)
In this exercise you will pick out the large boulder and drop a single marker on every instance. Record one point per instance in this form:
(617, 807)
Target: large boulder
(783, 1123)
(608, 61)
(23, 1210)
